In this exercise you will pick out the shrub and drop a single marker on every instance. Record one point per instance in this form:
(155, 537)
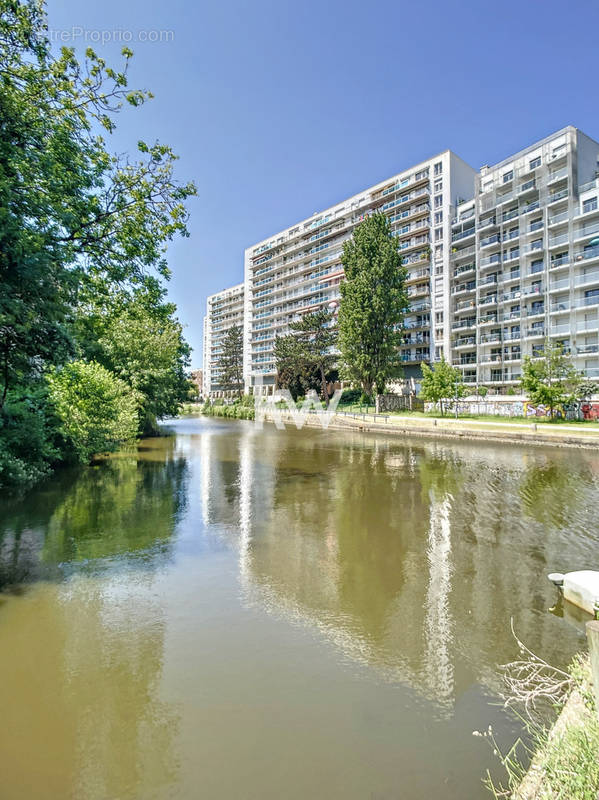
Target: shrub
(96, 410)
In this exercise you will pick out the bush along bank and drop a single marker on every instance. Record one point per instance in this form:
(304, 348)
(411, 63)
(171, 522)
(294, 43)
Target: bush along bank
(242, 408)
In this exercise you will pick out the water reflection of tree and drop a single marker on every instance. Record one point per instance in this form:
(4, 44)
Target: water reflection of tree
(124, 505)
(553, 492)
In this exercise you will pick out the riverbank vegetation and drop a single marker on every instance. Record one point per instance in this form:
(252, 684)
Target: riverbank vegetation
(91, 353)
(558, 761)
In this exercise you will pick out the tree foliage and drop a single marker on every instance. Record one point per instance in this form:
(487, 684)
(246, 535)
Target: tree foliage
(96, 410)
(69, 208)
(306, 356)
(441, 384)
(373, 301)
(552, 380)
(230, 362)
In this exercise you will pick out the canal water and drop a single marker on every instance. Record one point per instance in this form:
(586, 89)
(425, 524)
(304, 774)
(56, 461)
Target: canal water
(234, 613)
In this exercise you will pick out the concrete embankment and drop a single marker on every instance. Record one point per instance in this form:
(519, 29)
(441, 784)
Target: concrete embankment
(542, 433)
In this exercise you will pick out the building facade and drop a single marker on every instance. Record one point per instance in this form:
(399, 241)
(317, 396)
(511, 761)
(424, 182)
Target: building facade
(299, 270)
(525, 262)
(224, 310)
(498, 261)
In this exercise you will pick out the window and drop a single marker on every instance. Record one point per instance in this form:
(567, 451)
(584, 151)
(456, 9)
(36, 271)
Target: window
(508, 176)
(537, 265)
(535, 162)
(438, 168)
(439, 251)
(589, 205)
(438, 201)
(439, 317)
(537, 244)
(438, 217)
(438, 234)
(438, 186)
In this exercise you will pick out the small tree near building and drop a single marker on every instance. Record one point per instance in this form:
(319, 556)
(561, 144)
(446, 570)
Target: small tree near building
(231, 361)
(552, 380)
(441, 384)
(307, 351)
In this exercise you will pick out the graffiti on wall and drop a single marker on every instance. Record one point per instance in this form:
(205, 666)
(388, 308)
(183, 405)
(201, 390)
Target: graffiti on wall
(589, 410)
(533, 410)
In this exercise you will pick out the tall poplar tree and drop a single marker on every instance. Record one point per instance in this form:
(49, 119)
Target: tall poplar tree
(373, 302)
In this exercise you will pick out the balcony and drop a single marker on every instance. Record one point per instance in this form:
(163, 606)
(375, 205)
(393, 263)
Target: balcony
(533, 333)
(560, 261)
(494, 239)
(463, 235)
(463, 288)
(462, 252)
(489, 279)
(510, 215)
(465, 304)
(587, 349)
(563, 283)
(487, 223)
(587, 253)
(530, 207)
(557, 219)
(538, 311)
(559, 175)
(464, 268)
(491, 300)
(515, 295)
(513, 336)
(467, 341)
(491, 359)
(463, 324)
(556, 241)
(555, 198)
(489, 319)
(490, 337)
(529, 186)
(490, 260)
(514, 275)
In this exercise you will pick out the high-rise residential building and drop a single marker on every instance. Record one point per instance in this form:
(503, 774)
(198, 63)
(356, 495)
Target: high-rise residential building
(525, 262)
(298, 270)
(224, 310)
(498, 262)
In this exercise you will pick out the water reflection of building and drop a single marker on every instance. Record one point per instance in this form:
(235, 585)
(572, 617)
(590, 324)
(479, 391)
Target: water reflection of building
(411, 559)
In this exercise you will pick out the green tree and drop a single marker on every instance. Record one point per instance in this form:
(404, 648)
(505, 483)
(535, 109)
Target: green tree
(552, 380)
(137, 337)
(308, 351)
(441, 384)
(230, 361)
(69, 209)
(373, 301)
(97, 411)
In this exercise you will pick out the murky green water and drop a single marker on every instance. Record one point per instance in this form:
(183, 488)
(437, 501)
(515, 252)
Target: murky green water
(231, 613)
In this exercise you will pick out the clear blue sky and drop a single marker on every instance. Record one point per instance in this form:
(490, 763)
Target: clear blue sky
(280, 109)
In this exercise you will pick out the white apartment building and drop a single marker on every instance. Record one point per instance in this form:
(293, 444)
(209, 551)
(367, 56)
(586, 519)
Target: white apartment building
(224, 310)
(497, 262)
(525, 262)
(298, 270)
